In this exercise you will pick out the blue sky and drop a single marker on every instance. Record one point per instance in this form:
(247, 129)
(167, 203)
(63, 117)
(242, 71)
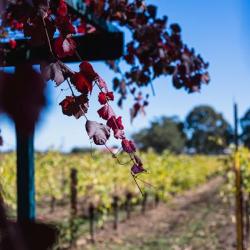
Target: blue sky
(216, 29)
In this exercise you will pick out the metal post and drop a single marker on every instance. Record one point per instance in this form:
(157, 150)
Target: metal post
(238, 184)
(25, 176)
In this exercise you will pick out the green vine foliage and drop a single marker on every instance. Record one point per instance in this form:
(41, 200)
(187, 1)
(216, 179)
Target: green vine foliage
(99, 177)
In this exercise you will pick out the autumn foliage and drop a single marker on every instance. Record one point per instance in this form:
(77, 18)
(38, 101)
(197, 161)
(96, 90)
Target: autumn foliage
(157, 49)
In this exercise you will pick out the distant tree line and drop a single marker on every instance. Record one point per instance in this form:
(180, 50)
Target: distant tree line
(204, 131)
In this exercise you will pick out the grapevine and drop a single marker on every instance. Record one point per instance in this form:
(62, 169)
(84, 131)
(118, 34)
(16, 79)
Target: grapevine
(156, 50)
(100, 178)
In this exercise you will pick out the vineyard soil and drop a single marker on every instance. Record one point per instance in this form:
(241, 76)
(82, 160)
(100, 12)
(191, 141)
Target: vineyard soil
(196, 220)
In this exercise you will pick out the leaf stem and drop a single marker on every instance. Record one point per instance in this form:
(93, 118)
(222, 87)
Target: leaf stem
(137, 184)
(48, 38)
(146, 183)
(72, 92)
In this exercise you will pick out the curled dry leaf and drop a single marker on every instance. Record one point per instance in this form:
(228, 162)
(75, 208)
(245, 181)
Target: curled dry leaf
(56, 72)
(99, 132)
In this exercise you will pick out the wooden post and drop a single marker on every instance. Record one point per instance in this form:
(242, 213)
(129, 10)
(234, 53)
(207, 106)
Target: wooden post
(73, 206)
(247, 223)
(91, 222)
(128, 204)
(157, 200)
(248, 219)
(52, 204)
(73, 192)
(238, 185)
(115, 206)
(25, 177)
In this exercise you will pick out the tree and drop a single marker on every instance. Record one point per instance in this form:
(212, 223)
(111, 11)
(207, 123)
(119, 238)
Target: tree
(245, 124)
(163, 133)
(208, 130)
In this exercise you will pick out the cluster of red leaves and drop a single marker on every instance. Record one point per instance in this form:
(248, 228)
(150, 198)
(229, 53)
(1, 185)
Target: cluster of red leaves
(115, 124)
(106, 112)
(157, 49)
(64, 45)
(77, 106)
(31, 17)
(83, 80)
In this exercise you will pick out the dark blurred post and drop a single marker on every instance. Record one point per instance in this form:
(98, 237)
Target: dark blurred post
(128, 204)
(157, 200)
(247, 218)
(52, 204)
(115, 210)
(25, 176)
(91, 222)
(73, 205)
(238, 184)
(73, 192)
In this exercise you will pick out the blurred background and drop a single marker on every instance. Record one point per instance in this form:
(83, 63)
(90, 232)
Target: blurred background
(217, 29)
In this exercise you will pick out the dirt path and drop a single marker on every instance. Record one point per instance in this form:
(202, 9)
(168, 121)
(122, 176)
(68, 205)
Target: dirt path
(196, 220)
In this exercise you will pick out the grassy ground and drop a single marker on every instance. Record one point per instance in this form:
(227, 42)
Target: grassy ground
(197, 220)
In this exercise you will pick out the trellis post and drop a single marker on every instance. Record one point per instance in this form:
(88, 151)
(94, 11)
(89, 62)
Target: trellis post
(25, 176)
(238, 185)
